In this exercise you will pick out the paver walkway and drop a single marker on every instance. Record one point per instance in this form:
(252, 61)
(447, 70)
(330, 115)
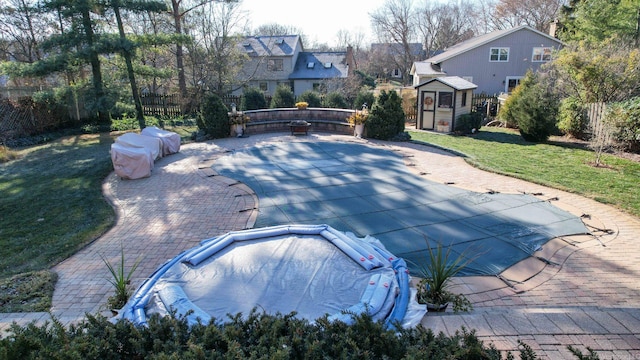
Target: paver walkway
(588, 296)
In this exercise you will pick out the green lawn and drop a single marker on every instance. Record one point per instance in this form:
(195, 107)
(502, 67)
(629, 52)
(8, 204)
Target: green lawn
(51, 202)
(555, 164)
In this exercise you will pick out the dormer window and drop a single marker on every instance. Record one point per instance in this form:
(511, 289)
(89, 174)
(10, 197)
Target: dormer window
(279, 41)
(327, 65)
(311, 65)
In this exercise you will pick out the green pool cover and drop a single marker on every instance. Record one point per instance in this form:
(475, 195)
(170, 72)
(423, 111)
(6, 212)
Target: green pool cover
(369, 191)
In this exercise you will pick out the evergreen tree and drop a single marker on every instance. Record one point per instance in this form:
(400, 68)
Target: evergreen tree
(594, 21)
(387, 117)
(283, 98)
(80, 44)
(127, 47)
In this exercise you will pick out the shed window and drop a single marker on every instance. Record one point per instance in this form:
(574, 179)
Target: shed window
(500, 54)
(463, 100)
(445, 100)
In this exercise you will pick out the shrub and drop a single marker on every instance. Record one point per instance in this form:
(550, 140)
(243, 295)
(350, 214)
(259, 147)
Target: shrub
(364, 97)
(624, 117)
(213, 118)
(311, 97)
(253, 99)
(386, 118)
(468, 123)
(533, 108)
(334, 100)
(7, 154)
(283, 98)
(253, 336)
(572, 117)
(51, 106)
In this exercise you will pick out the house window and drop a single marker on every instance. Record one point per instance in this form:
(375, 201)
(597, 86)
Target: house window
(463, 100)
(499, 54)
(445, 100)
(264, 86)
(275, 65)
(541, 54)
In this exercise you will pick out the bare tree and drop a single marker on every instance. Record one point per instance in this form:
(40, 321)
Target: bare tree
(216, 60)
(395, 23)
(347, 38)
(444, 25)
(537, 14)
(23, 27)
(179, 10)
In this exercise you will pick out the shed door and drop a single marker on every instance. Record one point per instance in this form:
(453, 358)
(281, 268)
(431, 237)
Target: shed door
(428, 109)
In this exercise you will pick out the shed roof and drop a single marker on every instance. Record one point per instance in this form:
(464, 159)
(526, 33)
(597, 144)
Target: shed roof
(455, 82)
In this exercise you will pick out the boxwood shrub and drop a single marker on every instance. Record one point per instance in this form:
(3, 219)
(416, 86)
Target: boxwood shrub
(254, 336)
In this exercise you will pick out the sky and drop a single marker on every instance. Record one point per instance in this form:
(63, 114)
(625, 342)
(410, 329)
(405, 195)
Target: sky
(320, 20)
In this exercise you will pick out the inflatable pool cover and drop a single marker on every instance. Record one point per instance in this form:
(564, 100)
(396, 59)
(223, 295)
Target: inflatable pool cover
(368, 190)
(314, 270)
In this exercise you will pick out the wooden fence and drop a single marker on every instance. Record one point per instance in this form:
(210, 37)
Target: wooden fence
(161, 105)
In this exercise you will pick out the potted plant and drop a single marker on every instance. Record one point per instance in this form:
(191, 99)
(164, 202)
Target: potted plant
(358, 119)
(302, 105)
(237, 119)
(436, 274)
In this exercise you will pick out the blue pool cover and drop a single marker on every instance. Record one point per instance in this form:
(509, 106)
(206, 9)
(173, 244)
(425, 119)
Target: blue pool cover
(313, 270)
(368, 190)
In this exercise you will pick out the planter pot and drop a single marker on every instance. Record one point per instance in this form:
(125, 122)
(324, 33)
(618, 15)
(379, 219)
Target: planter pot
(359, 130)
(435, 308)
(239, 129)
(442, 128)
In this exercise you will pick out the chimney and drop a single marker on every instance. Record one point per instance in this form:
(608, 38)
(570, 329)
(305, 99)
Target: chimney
(553, 28)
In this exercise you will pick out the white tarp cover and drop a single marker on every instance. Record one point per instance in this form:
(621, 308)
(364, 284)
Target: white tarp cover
(314, 271)
(130, 162)
(170, 140)
(150, 144)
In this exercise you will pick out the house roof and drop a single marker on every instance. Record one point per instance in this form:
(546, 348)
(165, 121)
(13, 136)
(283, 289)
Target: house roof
(280, 45)
(455, 82)
(481, 40)
(426, 68)
(320, 65)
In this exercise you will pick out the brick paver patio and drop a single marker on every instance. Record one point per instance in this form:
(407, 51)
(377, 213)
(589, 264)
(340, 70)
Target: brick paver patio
(589, 295)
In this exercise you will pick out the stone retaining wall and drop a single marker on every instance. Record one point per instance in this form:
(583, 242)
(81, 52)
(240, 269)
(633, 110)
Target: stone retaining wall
(321, 119)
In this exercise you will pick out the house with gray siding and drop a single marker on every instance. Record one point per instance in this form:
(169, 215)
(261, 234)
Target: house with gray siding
(495, 62)
(281, 60)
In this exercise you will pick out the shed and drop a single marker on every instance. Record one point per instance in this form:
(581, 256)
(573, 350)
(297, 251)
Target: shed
(441, 101)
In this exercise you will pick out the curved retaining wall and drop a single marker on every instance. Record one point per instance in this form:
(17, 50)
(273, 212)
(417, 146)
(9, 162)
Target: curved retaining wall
(321, 119)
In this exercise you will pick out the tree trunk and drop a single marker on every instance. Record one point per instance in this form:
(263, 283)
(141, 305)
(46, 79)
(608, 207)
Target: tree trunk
(177, 19)
(103, 115)
(126, 53)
